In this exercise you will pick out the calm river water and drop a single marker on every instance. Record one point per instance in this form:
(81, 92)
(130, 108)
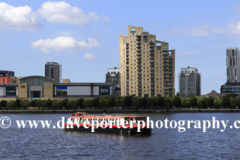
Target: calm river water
(162, 144)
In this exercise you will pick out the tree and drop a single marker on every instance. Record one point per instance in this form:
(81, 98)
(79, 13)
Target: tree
(144, 102)
(177, 101)
(11, 104)
(64, 103)
(225, 100)
(193, 101)
(138, 102)
(128, 101)
(101, 102)
(123, 101)
(80, 102)
(167, 102)
(117, 101)
(178, 94)
(17, 103)
(49, 103)
(38, 103)
(204, 102)
(111, 102)
(217, 102)
(210, 101)
(88, 103)
(96, 102)
(232, 102)
(3, 104)
(150, 101)
(55, 104)
(24, 104)
(33, 103)
(238, 102)
(160, 101)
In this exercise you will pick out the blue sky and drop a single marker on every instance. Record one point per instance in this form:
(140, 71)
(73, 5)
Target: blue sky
(83, 36)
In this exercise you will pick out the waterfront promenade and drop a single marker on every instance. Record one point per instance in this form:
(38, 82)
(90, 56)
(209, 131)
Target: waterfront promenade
(122, 111)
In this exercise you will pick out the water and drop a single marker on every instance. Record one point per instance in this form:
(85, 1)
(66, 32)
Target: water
(162, 144)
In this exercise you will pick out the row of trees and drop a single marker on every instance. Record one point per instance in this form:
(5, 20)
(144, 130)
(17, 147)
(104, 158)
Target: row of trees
(126, 102)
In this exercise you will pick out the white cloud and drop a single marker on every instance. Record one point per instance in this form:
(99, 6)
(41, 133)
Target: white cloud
(18, 18)
(43, 58)
(64, 42)
(65, 13)
(194, 31)
(186, 53)
(89, 56)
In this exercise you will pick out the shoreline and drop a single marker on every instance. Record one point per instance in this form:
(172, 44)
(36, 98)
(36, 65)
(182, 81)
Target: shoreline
(122, 111)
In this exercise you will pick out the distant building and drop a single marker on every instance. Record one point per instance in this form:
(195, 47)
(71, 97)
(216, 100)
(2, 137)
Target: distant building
(233, 65)
(233, 72)
(213, 94)
(113, 76)
(5, 76)
(66, 80)
(53, 70)
(189, 82)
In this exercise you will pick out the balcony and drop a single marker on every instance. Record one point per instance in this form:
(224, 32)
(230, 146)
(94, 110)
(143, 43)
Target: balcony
(139, 73)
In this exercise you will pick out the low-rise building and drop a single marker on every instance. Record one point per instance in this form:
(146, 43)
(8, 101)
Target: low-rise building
(40, 87)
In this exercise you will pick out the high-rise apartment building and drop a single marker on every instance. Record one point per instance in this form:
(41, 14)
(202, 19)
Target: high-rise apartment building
(233, 65)
(233, 72)
(147, 65)
(189, 82)
(53, 70)
(113, 76)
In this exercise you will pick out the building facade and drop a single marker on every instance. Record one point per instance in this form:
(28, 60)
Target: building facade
(233, 65)
(40, 87)
(233, 72)
(53, 70)
(113, 76)
(6, 76)
(147, 65)
(189, 82)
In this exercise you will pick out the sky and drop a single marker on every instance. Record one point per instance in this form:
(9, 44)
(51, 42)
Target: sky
(83, 36)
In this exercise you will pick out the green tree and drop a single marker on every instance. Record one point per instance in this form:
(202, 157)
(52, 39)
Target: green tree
(55, 104)
(117, 101)
(177, 101)
(80, 102)
(138, 102)
(17, 103)
(160, 101)
(96, 102)
(193, 101)
(11, 104)
(88, 103)
(38, 103)
(123, 101)
(210, 102)
(101, 102)
(33, 103)
(217, 102)
(111, 102)
(238, 102)
(144, 102)
(64, 103)
(150, 101)
(226, 101)
(233, 102)
(128, 101)
(49, 103)
(167, 102)
(3, 104)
